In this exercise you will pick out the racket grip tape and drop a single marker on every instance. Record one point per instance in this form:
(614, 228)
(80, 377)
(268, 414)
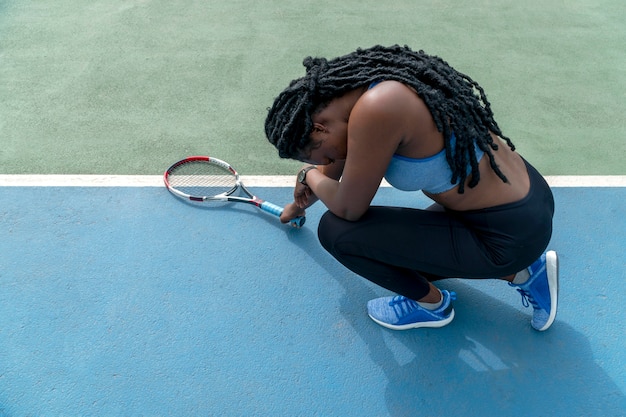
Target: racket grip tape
(277, 211)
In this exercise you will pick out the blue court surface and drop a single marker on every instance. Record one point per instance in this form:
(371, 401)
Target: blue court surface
(124, 301)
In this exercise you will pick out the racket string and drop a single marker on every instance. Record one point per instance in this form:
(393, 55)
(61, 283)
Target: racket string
(199, 178)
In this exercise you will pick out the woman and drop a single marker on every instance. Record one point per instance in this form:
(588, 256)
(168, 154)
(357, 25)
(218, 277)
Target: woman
(412, 119)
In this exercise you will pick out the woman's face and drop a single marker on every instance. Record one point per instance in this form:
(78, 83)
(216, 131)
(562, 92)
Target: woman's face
(328, 144)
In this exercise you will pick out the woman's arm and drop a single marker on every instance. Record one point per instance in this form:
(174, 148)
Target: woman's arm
(303, 196)
(382, 121)
(374, 133)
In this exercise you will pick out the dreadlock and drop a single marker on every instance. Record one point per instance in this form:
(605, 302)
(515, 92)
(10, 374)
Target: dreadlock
(457, 103)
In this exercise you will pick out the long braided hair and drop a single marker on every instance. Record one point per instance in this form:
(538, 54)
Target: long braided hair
(457, 103)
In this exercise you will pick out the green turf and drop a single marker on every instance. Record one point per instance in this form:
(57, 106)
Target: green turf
(126, 87)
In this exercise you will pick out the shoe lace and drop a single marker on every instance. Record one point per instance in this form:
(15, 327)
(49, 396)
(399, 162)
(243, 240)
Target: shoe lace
(527, 299)
(410, 304)
(402, 300)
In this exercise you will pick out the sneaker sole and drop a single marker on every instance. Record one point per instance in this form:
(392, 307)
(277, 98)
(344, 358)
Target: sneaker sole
(552, 270)
(431, 324)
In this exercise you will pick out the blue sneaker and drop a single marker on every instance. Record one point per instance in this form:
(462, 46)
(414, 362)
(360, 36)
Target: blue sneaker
(542, 290)
(401, 313)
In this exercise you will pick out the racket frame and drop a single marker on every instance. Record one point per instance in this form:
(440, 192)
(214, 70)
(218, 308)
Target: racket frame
(227, 195)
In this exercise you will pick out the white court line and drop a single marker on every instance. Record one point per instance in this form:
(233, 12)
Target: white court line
(250, 180)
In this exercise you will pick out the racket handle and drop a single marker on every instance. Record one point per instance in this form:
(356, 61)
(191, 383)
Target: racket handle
(298, 222)
(277, 211)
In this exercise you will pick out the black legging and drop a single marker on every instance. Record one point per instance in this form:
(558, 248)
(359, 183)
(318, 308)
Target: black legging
(402, 249)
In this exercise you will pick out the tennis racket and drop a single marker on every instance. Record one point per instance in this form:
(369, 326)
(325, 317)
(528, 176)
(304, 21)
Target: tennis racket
(204, 179)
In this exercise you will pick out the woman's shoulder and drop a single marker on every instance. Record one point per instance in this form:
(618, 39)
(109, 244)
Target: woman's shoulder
(383, 91)
(390, 100)
(395, 108)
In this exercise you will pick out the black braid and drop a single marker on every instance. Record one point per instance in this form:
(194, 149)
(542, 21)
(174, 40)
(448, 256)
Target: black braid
(457, 103)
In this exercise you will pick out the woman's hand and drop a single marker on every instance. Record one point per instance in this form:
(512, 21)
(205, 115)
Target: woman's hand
(302, 196)
(290, 212)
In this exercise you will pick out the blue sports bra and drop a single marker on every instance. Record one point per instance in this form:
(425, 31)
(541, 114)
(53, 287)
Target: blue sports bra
(431, 174)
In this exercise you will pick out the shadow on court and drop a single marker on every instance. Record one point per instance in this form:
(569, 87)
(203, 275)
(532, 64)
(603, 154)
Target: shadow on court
(488, 361)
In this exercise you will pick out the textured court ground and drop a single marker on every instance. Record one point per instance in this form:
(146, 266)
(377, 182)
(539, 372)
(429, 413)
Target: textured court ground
(117, 299)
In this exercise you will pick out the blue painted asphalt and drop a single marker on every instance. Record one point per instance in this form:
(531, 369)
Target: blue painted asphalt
(126, 301)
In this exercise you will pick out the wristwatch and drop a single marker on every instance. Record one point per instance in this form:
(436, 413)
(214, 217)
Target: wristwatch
(302, 174)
